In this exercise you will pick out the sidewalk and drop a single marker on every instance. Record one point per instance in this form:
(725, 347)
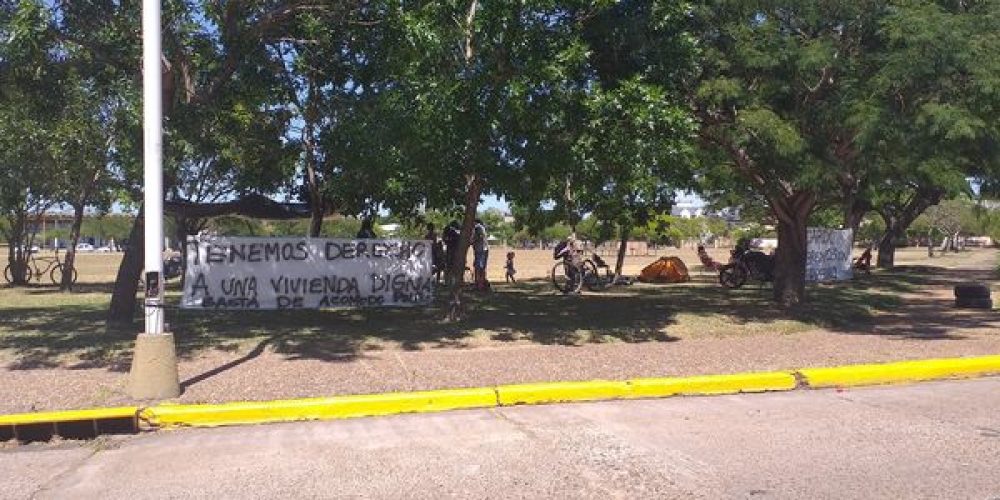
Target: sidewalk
(272, 375)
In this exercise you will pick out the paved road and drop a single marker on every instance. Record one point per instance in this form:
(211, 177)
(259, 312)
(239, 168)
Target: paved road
(935, 440)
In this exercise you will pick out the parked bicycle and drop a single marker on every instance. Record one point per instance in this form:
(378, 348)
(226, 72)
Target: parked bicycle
(40, 266)
(573, 271)
(746, 265)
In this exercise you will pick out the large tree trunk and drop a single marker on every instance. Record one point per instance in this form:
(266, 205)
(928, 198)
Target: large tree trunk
(17, 254)
(472, 191)
(792, 213)
(74, 237)
(473, 188)
(854, 211)
(122, 310)
(316, 222)
(622, 246)
(316, 202)
(894, 229)
(886, 252)
(898, 219)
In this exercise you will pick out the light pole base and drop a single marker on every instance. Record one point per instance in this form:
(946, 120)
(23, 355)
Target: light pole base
(154, 368)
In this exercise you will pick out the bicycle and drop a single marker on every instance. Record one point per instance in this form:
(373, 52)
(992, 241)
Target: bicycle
(573, 272)
(52, 265)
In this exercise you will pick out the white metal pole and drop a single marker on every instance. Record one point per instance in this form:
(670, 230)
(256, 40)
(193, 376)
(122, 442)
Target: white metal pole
(152, 116)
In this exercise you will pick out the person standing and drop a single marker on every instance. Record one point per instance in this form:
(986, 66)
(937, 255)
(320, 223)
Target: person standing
(367, 231)
(481, 253)
(450, 237)
(509, 268)
(437, 252)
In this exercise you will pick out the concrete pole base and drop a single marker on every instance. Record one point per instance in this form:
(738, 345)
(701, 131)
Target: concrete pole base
(154, 368)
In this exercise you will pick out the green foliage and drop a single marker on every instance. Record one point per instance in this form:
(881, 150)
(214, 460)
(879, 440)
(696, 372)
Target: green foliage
(776, 85)
(870, 230)
(106, 227)
(621, 143)
(926, 128)
(670, 229)
(830, 216)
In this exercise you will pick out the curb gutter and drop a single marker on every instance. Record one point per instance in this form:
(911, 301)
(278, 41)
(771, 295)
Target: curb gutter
(101, 420)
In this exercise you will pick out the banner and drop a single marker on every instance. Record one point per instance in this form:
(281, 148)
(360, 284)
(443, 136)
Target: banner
(305, 273)
(828, 255)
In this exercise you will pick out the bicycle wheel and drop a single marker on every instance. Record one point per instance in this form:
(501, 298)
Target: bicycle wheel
(732, 276)
(565, 277)
(8, 274)
(592, 278)
(57, 274)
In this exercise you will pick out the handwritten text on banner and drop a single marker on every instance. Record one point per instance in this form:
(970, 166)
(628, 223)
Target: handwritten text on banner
(305, 273)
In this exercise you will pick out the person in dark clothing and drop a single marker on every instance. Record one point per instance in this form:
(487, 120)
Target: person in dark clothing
(437, 252)
(367, 231)
(509, 270)
(481, 253)
(451, 236)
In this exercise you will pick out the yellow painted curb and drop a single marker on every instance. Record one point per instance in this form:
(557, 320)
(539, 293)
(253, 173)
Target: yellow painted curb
(905, 371)
(712, 384)
(54, 417)
(554, 392)
(368, 405)
(508, 395)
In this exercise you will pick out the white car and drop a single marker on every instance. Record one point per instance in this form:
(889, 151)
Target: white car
(84, 247)
(104, 249)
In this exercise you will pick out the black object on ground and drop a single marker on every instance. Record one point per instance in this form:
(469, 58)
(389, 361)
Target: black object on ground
(973, 296)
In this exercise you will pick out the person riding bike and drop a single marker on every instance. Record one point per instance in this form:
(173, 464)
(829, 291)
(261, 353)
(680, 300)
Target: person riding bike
(569, 252)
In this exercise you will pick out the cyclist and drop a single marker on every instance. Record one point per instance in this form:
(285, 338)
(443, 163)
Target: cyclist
(571, 254)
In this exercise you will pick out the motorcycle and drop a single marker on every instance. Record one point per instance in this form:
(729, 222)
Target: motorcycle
(746, 265)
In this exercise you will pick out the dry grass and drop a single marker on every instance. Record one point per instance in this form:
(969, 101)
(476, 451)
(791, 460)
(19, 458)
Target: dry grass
(42, 327)
(55, 352)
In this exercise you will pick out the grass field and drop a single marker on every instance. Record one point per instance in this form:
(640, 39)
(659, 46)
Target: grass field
(56, 353)
(42, 327)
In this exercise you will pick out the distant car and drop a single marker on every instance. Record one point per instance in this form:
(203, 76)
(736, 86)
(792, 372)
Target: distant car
(104, 249)
(84, 247)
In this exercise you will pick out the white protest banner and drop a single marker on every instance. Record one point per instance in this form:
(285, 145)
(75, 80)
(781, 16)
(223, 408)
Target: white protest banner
(828, 255)
(305, 273)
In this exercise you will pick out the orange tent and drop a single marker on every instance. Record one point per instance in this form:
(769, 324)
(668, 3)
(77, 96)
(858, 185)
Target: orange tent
(665, 270)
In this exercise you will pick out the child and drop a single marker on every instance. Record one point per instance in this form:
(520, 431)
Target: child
(510, 268)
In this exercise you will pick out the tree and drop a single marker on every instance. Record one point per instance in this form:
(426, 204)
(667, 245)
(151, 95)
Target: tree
(949, 219)
(32, 72)
(634, 156)
(81, 147)
(769, 104)
(216, 73)
(473, 81)
(621, 136)
(928, 127)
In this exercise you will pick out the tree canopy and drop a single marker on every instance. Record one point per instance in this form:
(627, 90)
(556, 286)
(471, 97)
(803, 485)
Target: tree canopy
(572, 110)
